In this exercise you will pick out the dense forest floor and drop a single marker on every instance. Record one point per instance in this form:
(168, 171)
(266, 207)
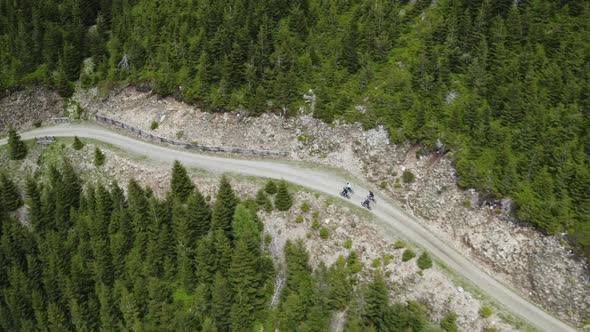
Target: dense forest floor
(349, 230)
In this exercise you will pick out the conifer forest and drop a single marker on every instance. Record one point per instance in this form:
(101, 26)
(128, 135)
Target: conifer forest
(500, 86)
(504, 84)
(97, 259)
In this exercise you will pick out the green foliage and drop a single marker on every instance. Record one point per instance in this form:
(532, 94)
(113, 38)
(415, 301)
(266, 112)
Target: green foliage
(268, 205)
(481, 79)
(11, 198)
(305, 207)
(16, 147)
(77, 145)
(467, 204)
(270, 187)
(347, 244)
(424, 261)
(376, 262)
(408, 176)
(154, 125)
(449, 323)
(244, 226)
(399, 244)
(283, 200)
(299, 219)
(383, 184)
(224, 207)
(485, 311)
(261, 198)
(99, 157)
(181, 185)
(315, 224)
(324, 233)
(37, 123)
(408, 254)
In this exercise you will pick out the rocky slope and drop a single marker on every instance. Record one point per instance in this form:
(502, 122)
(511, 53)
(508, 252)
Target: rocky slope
(543, 268)
(22, 108)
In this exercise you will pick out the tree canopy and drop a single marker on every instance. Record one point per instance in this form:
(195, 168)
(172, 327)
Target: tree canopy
(502, 83)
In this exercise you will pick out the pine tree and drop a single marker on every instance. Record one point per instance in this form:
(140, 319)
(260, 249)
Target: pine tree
(71, 184)
(99, 157)
(449, 323)
(340, 285)
(180, 184)
(283, 201)
(10, 194)
(77, 145)
(16, 147)
(223, 209)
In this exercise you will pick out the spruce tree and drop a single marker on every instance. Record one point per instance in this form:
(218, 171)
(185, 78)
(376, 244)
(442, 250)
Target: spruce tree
(72, 186)
(340, 285)
(99, 157)
(180, 184)
(376, 302)
(244, 226)
(223, 209)
(283, 200)
(199, 216)
(10, 194)
(16, 147)
(244, 280)
(221, 302)
(270, 187)
(261, 197)
(34, 202)
(77, 145)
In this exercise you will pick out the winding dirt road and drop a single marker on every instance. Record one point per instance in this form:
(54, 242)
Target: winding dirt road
(392, 217)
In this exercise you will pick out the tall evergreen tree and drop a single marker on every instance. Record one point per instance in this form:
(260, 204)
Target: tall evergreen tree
(11, 197)
(180, 184)
(283, 201)
(224, 207)
(16, 147)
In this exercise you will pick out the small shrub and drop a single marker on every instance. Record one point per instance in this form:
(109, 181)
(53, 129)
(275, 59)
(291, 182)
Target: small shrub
(99, 157)
(37, 123)
(424, 261)
(376, 262)
(467, 203)
(485, 311)
(408, 254)
(305, 207)
(397, 185)
(308, 235)
(324, 233)
(387, 259)
(270, 187)
(268, 205)
(315, 224)
(408, 176)
(208, 198)
(384, 184)
(267, 238)
(347, 244)
(154, 125)
(489, 329)
(353, 263)
(329, 201)
(387, 274)
(316, 214)
(449, 323)
(399, 244)
(77, 145)
(180, 134)
(299, 219)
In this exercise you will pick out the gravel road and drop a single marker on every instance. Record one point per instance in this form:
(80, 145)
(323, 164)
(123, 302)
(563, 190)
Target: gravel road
(391, 216)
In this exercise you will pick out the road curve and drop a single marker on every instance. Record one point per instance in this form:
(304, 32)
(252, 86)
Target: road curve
(328, 183)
